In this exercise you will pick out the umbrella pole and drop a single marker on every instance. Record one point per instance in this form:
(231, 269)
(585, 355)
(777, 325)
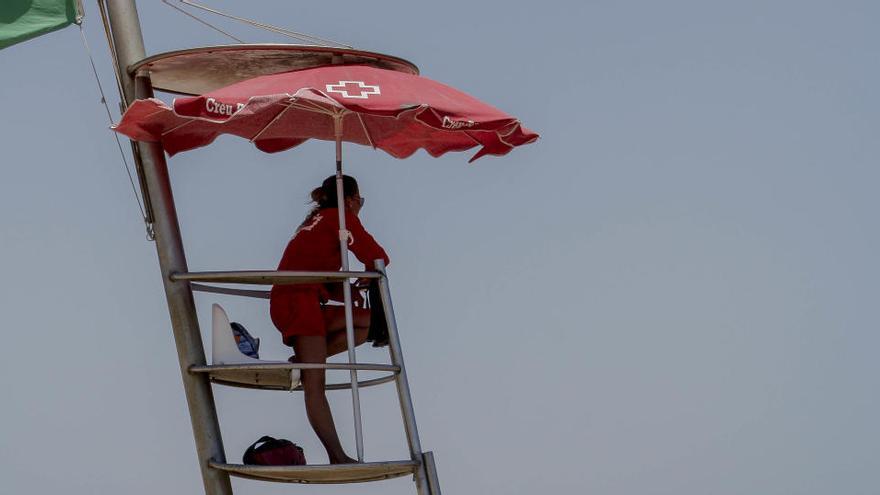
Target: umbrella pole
(346, 291)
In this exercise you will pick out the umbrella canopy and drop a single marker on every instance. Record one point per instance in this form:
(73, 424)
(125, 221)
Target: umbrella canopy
(392, 111)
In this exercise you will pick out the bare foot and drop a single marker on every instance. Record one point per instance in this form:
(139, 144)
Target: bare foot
(343, 460)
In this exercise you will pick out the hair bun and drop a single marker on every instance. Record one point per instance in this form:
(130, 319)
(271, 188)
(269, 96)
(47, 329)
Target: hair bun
(318, 195)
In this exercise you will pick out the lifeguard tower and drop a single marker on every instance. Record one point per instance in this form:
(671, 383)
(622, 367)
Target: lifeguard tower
(200, 70)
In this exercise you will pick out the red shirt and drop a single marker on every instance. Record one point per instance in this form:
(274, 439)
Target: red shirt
(315, 246)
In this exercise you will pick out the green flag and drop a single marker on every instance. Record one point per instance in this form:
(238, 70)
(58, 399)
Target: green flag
(22, 20)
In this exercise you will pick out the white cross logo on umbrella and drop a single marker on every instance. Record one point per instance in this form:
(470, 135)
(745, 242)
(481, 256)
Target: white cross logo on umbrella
(353, 89)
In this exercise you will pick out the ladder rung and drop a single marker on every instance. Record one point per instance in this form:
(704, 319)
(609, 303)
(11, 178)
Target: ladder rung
(276, 376)
(324, 473)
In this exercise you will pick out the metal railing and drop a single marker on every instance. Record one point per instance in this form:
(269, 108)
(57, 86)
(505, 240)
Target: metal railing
(266, 277)
(257, 373)
(261, 277)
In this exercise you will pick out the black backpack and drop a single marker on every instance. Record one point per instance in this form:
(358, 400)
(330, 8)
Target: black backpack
(268, 451)
(378, 333)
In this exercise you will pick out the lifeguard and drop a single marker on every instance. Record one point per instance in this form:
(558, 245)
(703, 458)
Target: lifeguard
(313, 328)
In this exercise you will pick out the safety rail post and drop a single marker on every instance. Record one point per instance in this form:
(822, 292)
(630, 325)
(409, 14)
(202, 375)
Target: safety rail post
(405, 399)
(431, 472)
(346, 293)
(129, 43)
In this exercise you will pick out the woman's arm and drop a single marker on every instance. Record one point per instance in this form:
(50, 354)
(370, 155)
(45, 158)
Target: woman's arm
(362, 244)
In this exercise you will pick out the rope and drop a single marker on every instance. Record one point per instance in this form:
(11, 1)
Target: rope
(147, 224)
(206, 23)
(308, 38)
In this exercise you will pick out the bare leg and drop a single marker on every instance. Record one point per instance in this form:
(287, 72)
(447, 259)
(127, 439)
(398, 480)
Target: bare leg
(313, 349)
(334, 319)
(337, 342)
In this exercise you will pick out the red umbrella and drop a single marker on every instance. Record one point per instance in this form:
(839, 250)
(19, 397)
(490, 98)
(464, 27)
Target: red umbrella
(393, 111)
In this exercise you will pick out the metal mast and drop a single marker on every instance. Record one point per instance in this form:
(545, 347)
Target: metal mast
(129, 43)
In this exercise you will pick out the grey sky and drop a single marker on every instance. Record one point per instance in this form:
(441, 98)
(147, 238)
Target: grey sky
(674, 291)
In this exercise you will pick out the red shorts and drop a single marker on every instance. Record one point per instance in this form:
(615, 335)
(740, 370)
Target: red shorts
(298, 312)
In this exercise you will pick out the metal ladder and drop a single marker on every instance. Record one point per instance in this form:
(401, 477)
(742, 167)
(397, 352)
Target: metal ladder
(178, 282)
(276, 376)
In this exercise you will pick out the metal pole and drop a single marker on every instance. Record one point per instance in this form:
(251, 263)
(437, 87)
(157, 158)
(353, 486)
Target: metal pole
(431, 471)
(346, 291)
(406, 405)
(129, 43)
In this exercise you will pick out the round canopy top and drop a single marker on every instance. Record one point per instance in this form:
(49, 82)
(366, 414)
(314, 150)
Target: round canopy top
(196, 71)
